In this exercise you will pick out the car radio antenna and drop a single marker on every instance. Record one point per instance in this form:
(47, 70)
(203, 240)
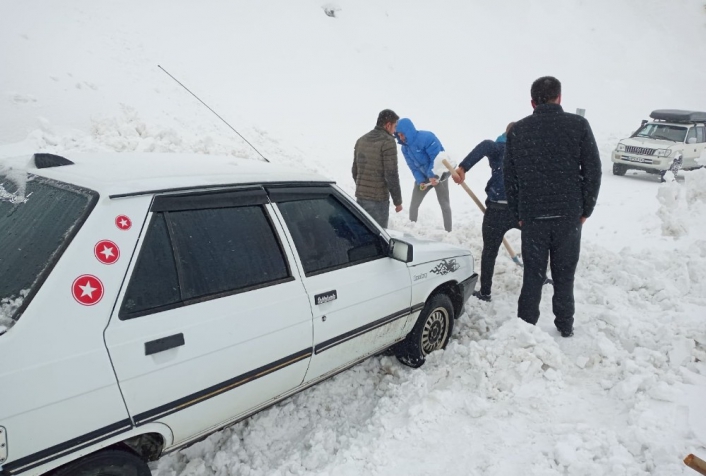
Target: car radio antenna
(219, 117)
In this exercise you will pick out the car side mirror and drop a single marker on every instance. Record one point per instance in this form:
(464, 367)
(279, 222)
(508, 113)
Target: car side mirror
(691, 140)
(401, 251)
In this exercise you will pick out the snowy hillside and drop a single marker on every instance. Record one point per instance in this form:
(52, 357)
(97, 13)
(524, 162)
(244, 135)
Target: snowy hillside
(625, 395)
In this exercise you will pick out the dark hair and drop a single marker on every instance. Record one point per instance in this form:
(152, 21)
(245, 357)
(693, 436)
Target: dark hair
(387, 115)
(545, 89)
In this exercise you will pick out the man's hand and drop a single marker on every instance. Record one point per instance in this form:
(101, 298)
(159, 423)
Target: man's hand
(398, 208)
(520, 223)
(583, 220)
(460, 175)
(434, 181)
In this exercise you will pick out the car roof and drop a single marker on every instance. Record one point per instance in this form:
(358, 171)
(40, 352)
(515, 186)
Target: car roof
(124, 174)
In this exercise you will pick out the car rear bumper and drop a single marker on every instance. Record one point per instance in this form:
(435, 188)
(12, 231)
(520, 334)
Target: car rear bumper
(468, 285)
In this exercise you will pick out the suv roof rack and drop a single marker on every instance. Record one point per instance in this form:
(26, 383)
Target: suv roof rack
(44, 161)
(678, 115)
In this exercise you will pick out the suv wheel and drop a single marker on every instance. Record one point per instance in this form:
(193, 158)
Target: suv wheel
(619, 169)
(431, 332)
(106, 463)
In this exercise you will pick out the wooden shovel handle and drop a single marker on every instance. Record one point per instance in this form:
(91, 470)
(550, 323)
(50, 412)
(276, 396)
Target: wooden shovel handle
(463, 184)
(479, 203)
(696, 463)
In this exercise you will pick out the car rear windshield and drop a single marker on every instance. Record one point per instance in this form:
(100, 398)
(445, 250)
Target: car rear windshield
(663, 132)
(38, 219)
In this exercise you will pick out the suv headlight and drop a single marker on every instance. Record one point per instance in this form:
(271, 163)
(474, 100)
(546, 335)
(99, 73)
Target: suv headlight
(663, 152)
(620, 148)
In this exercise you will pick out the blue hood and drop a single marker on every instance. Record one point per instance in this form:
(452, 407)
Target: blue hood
(406, 127)
(502, 138)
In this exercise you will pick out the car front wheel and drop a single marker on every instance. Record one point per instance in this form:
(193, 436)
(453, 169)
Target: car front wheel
(619, 169)
(431, 332)
(106, 463)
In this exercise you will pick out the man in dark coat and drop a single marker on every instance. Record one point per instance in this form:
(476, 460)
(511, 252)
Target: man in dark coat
(498, 218)
(375, 169)
(552, 176)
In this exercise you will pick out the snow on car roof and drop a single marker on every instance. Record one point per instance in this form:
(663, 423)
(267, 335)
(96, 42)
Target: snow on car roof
(126, 174)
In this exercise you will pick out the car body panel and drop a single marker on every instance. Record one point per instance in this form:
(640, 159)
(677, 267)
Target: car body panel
(56, 378)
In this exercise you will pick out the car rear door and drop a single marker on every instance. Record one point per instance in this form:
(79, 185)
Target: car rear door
(360, 297)
(212, 322)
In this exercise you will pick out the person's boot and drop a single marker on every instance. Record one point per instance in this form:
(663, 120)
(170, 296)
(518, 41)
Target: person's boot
(566, 333)
(482, 297)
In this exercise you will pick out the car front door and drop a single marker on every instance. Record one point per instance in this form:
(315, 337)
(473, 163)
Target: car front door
(212, 322)
(690, 153)
(700, 146)
(360, 297)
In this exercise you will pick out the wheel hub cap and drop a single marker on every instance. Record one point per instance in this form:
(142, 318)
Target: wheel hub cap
(435, 330)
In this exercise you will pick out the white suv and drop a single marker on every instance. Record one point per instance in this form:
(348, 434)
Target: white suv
(150, 300)
(673, 140)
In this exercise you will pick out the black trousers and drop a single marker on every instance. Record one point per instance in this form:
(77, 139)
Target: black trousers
(560, 240)
(497, 221)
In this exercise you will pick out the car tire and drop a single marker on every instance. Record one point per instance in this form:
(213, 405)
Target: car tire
(431, 332)
(619, 169)
(106, 463)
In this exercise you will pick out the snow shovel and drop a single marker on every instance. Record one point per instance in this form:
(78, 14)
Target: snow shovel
(515, 257)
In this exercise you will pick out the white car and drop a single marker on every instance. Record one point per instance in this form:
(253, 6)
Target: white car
(150, 300)
(674, 140)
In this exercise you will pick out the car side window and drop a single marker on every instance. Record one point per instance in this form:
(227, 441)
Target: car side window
(700, 134)
(225, 249)
(691, 134)
(193, 255)
(154, 284)
(328, 236)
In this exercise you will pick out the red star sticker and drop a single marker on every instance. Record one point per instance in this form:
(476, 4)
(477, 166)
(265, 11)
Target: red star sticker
(106, 252)
(87, 290)
(123, 222)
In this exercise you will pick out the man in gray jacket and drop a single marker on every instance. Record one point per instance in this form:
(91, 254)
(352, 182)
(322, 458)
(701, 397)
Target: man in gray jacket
(375, 169)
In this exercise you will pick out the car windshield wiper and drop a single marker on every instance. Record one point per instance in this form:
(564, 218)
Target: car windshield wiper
(655, 136)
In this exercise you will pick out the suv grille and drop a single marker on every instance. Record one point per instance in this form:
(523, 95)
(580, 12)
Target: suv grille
(639, 150)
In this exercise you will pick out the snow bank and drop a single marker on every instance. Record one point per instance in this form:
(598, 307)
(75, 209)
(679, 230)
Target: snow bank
(505, 397)
(683, 205)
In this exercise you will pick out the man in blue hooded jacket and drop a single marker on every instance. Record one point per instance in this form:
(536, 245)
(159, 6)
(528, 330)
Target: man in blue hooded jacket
(498, 218)
(423, 152)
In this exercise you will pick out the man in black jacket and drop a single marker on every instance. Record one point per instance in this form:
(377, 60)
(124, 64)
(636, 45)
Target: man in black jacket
(497, 219)
(552, 176)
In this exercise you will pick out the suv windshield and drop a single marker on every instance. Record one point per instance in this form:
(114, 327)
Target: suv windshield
(38, 218)
(662, 132)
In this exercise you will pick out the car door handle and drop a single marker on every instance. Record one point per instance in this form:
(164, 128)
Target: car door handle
(323, 298)
(165, 343)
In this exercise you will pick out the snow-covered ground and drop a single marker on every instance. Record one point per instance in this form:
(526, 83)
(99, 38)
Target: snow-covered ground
(625, 395)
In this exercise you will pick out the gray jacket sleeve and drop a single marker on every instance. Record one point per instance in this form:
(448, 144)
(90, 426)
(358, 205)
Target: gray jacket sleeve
(392, 177)
(354, 169)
